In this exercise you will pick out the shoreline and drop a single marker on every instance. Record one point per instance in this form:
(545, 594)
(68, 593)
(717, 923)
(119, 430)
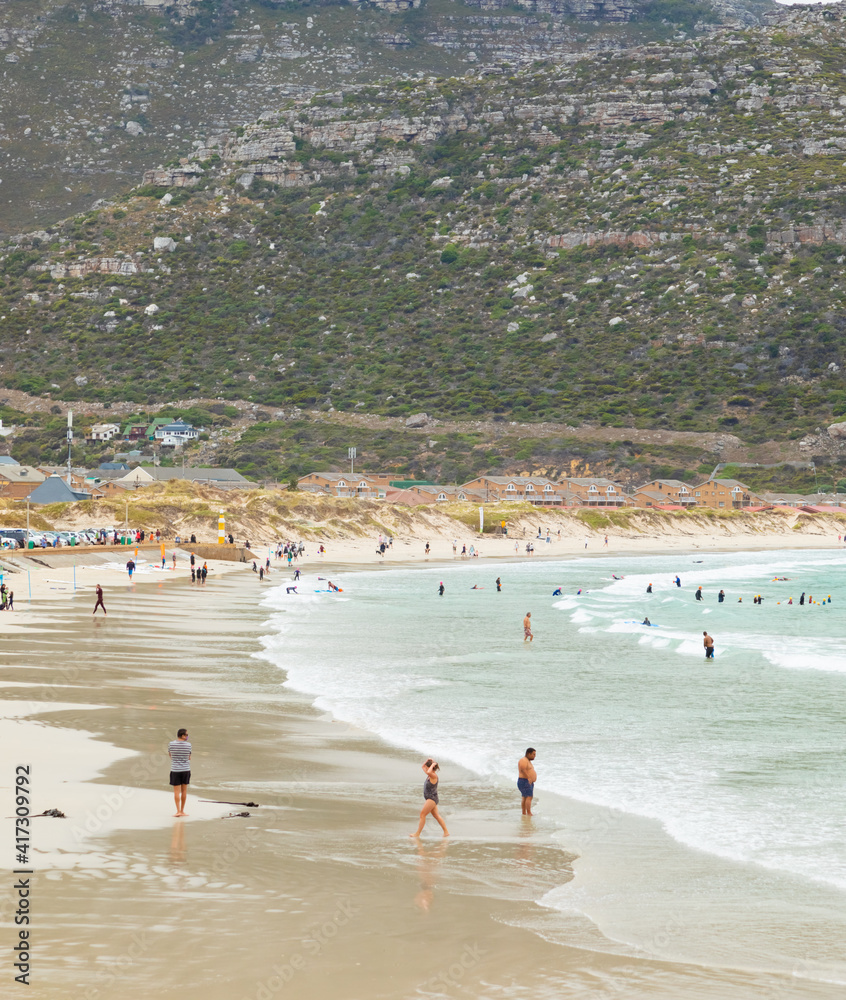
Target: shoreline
(334, 865)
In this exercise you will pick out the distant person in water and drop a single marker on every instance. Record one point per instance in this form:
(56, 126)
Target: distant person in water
(802, 598)
(556, 592)
(441, 588)
(498, 585)
(526, 778)
(698, 594)
(649, 589)
(527, 628)
(677, 581)
(646, 621)
(708, 643)
(721, 597)
(430, 798)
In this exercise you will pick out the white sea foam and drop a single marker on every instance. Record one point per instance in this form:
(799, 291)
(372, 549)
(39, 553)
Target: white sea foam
(733, 757)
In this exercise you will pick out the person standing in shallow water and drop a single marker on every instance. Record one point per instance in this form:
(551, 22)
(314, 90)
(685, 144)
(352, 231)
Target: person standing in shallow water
(526, 778)
(708, 643)
(527, 628)
(430, 797)
(441, 588)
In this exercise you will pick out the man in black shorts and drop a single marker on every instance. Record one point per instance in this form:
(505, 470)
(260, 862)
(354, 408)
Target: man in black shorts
(180, 769)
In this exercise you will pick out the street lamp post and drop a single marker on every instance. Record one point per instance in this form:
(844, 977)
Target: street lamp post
(70, 442)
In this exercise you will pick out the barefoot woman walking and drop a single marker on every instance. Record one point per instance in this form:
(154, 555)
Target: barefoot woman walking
(430, 794)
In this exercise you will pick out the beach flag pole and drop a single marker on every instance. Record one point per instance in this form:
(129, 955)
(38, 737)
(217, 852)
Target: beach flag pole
(221, 529)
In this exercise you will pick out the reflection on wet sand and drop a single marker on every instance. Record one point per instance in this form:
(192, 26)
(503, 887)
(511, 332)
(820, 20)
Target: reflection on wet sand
(428, 867)
(178, 850)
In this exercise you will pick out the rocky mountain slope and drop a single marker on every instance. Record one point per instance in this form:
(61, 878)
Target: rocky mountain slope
(650, 236)
(92, 91)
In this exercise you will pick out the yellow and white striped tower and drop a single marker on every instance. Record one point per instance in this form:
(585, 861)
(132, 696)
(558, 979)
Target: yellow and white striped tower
(221, 529)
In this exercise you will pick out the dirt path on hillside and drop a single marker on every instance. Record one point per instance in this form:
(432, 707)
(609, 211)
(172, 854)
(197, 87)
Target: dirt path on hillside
(725, 447)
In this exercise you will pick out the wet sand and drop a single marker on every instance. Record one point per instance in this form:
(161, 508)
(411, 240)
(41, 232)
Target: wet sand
(319, 892)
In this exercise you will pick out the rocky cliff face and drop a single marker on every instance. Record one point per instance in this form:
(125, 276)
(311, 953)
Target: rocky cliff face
(651, 234)
(92, 92)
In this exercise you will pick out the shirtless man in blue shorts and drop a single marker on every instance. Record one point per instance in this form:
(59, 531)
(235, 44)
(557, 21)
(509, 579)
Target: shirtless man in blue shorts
(527, 776)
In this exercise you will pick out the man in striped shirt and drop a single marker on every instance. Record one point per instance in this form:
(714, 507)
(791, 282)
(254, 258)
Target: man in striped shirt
(180, 769)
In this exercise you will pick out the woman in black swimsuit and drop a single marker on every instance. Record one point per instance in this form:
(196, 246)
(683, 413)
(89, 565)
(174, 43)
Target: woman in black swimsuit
(430, 795)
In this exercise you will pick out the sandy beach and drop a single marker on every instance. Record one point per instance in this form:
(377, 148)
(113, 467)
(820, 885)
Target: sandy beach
(319, 891)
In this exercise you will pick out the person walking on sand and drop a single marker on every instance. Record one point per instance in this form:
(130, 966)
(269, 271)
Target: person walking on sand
(179, 751)
(527, 628)
(526, 778)
(99, 592)
(708, 643)
(430, 796)
(11, 605)
(427, 548)
(130, 567)
(586, 541)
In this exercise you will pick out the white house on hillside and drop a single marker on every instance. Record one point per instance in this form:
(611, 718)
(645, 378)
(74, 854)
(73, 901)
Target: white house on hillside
(176, 434)
(103, 432)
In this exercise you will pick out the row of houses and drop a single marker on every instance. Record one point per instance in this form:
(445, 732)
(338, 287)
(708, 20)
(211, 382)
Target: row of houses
(168, 432)
(659, 494)
(49, 484)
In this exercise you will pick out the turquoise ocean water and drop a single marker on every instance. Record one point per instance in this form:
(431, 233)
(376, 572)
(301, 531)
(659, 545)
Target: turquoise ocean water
(706, 799)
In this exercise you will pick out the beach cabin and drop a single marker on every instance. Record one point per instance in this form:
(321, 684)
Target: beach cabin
(537, 490)
(728, 493)
(345, 485)
(598, 492)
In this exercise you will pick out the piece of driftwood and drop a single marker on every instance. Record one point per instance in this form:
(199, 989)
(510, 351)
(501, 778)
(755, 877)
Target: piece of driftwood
(221, 802)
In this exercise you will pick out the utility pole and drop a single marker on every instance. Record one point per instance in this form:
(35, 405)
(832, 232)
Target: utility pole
(70, 441)
(351, 453)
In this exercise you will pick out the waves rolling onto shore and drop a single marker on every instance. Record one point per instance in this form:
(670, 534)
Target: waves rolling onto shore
(737, 759)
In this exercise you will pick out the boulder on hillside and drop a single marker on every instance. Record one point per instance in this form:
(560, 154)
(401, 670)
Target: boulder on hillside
(418, 420)
(837, 430)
